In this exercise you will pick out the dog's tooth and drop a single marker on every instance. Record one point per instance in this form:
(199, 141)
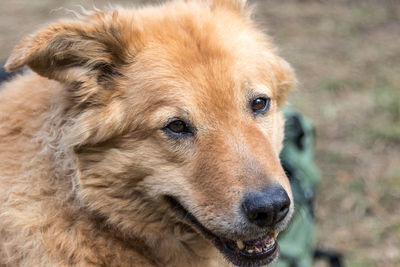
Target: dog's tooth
(240, 244)
(270, 243)
(250, 251)
(258, 250)
(275, 234)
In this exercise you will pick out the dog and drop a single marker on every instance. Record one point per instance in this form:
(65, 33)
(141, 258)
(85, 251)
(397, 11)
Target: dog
(145, 137)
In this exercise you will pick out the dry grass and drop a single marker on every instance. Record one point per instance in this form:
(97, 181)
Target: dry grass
(347, 56)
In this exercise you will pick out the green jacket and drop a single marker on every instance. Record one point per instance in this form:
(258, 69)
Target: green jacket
(297, 243)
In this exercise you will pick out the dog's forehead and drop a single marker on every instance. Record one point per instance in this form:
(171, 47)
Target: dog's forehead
(205, 61)
(197, 39)
(213, 86)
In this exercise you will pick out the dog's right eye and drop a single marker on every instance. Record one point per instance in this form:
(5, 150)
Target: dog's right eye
(178, 128)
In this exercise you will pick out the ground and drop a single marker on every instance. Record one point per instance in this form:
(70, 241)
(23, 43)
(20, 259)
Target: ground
(347, 57)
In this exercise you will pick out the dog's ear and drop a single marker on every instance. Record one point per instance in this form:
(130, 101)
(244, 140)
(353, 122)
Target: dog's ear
(87, 56)
(285, 79)
(94, 45)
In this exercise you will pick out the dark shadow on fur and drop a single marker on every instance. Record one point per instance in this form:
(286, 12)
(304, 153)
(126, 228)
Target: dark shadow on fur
(5, 76)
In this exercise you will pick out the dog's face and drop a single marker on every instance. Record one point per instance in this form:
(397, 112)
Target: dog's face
(175, 110)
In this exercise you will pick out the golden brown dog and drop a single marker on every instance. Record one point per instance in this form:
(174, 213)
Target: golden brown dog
(145, 137)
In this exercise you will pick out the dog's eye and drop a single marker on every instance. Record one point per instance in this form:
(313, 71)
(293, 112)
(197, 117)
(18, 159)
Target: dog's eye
(260, 105)
(178, 128)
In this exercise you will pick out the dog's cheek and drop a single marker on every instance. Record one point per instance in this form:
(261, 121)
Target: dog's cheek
(126, 170)
(116, 184)
(109, 171)
(168, 179)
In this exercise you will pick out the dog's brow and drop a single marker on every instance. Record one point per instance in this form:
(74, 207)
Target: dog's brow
(262, 89)
(253, 90)
(173, 111)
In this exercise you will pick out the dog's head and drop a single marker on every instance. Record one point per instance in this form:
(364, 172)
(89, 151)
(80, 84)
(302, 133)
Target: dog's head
(174, 110)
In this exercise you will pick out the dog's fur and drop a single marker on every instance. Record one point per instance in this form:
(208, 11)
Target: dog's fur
(85, 161)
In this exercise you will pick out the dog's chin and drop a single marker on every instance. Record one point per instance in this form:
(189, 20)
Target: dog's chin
(256, 252)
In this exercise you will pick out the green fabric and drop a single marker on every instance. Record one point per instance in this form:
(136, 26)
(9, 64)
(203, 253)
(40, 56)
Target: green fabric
(298, 241)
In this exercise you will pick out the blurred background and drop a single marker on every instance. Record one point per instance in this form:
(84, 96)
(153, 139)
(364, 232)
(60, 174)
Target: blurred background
(347, 57)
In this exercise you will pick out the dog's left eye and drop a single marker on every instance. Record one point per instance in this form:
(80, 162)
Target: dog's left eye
(178, 128)
(260, 105)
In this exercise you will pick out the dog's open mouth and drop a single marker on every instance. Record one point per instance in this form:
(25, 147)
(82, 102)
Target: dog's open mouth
(255, 252)
(261, 246)
(252, 252)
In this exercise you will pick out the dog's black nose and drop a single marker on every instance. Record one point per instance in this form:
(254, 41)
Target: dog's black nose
(266, 207)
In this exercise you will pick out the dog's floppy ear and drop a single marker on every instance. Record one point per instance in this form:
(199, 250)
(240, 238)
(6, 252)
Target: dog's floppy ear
(87, 56)
(93, 45)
